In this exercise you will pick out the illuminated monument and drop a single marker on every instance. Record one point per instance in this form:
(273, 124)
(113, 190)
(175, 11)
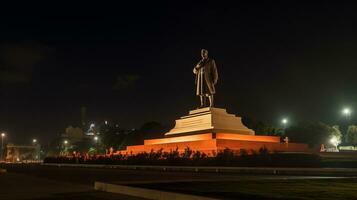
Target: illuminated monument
(209, 120)
(209, 129)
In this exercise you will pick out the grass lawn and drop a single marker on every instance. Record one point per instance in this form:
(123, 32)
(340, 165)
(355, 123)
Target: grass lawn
(320, 189)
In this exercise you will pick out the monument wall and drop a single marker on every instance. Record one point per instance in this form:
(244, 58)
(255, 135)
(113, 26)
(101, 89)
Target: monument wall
(211, 143)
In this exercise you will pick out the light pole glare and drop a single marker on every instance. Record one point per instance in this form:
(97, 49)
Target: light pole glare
(2, 146)
(335, 141)
(92, 125)
(96, 138)
(284, 121)
(34, 140)
(65, 142)
(346, 111)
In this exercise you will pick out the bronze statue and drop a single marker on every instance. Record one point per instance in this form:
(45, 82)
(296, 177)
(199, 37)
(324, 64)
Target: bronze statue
(206, 78)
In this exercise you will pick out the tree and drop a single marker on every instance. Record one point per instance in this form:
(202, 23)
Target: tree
(335, 132)
(260, 127)
(148, 130)
(152, 130)
(111, 135)
(335, 135)
(351, 136)
(312, 133)
(74, 134)
(53, 148)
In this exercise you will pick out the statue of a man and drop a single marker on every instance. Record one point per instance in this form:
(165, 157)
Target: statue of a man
(206, 78)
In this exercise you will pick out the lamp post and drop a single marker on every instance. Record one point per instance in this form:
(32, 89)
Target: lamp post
(34, 143)
(96, 142)
(335, 142)
(2, 145)
(65, 142)
(347, 113)
(284, 121)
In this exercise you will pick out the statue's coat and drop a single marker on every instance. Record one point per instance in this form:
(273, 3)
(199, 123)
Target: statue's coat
(206, 77)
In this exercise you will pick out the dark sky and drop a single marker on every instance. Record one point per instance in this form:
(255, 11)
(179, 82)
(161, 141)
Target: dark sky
(133, 63)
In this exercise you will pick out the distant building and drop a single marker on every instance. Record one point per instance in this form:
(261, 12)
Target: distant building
(22, 153)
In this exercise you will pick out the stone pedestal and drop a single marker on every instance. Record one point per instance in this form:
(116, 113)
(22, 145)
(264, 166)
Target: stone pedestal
(209, 120)
(212, 143)
(211, 130)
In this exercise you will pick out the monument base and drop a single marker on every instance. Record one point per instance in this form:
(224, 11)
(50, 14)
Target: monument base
(208, 120)
(211, 130)
(212, 143)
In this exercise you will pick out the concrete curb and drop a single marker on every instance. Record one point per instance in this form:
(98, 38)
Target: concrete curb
(145, 193)
(238, 170)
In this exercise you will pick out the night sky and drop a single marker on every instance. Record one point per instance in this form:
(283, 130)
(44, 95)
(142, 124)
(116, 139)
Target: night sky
(133, 63)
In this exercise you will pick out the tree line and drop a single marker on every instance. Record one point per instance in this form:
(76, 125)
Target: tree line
(117, 138)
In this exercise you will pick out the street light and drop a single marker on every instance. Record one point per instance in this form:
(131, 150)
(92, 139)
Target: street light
(335, 141)
(65, 142)
(92, 125)
(2, 144)
(96, 143)
(34, 142)
(347, 112)
(284, 121)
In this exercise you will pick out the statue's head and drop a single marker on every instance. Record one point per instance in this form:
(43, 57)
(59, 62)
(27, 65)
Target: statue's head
(204, 53)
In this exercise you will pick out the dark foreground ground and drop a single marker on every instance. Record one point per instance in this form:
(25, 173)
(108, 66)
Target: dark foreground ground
(266, 189)
(45, 182)
(14, 186)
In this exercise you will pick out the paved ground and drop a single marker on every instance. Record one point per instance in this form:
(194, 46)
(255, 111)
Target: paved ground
(87, 176)
(300, 189)
(20, 186)
(44, 182)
